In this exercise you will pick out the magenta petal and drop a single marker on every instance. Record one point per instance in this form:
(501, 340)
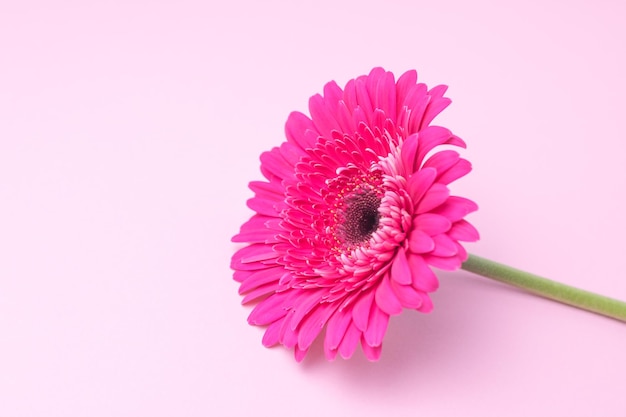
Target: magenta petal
(349, 342)
(297, 124)
(434, 197)
(303, 306)
(419, 183)
(286, 336)
(424, 278)
(386, 94)
(464, 231)
(432, 224)
(333, 94)
(442, 160)
(263, 206)
(274, 163)
(312, 325)
(321, 116)
(451, 263)
(455, 208)
(408, 153)
(444, 246)
(427, 304)
(386, 299)
(299, 353)
(261, 277)
(461, 168)
(256, 236)
(331, 354)
(251, 257)
(420, 242)
(377, 327)
(270, 338)
(372, 353)
(361, 310)
(255, 253)
(404, 84)
(336, 328)
(408, 296)
(400, 271)
(431, 137)
(260, 292)
(434, 108)
(269, 310)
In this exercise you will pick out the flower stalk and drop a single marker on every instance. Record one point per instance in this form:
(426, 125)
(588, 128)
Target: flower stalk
(546, 288)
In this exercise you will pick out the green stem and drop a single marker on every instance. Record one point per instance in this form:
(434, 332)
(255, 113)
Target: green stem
(546, 288)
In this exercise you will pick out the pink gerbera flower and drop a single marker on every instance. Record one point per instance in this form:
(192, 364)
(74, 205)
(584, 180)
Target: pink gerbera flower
(355, 210)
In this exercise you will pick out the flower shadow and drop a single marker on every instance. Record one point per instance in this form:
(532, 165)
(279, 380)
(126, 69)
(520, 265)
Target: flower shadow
(421, 348)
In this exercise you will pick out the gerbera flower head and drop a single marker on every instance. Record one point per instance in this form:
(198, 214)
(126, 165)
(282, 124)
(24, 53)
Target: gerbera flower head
(354, 212)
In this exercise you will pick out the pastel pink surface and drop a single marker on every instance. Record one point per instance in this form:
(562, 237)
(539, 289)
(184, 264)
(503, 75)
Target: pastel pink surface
(129, 131)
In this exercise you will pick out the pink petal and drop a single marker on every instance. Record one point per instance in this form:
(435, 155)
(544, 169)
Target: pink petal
(420, 242)
(313, 325)
(322, 118)
(403, 86)
(427, 304)
(274, 165)
(333, 94)
(241, 276)
(286, 336)
(263, 206)
(257, 230)
(372, 353)
(451, 263)
(270, 338)
(349, 342)
(254, 253)
(336, 328)
(303, 306)
(349, 95)
(386, 299)
(435, 106)
(424, 278)
(363, 98)
(385, 97)
(260, 292)
(416, 101)
(299, 354)
(444, 246)
(344, 118)
(297, 124)
(271, 190)
(408, 296)
(464, 231)
(442, 160)
(400, 271)
(432, 224)
(251, 256)
(269, 310)
(420, 182)
(455, 208)
(408, 153)
(377, 327)
(330, 354)
(434, 197)
(261, 277)
(256, 236)
(461, 168)
(361, 310)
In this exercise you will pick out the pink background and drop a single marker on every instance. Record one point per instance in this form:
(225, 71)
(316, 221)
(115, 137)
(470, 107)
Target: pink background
(128, 133)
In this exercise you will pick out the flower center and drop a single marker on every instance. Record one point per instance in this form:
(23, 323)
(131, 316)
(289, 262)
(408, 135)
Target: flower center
(360, 217)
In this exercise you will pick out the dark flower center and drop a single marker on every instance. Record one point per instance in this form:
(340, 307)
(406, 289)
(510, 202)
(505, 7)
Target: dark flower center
(360, 217)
